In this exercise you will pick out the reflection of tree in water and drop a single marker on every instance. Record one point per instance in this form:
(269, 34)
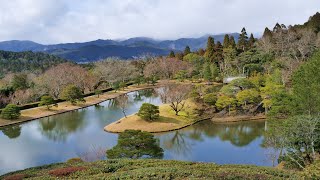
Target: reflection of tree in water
(178, 142)
(11, 132)
(238, 134)
(139, 95)
(58, 128)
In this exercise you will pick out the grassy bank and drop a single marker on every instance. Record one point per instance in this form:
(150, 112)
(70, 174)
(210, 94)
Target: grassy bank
(63, 107)
(151, 169)
(168, 121)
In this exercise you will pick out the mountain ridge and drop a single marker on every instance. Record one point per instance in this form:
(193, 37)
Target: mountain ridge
(128, 48)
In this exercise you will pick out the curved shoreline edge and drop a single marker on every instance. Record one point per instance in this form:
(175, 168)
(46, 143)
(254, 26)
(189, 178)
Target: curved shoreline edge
(234, 120)
(103, 97)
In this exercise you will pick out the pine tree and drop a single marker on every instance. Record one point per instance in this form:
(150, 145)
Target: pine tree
(226, 40)
(232, 42)
(187, 50)
(251, 41)
(243, 40)
(172, 55)
(210, 48)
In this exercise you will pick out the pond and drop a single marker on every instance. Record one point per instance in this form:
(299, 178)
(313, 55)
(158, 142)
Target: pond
(61, 137)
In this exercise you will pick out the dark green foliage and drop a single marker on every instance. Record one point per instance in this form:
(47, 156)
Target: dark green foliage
(306, 87)
(122, 85)
(20, 82)
(73, 94)
(11, 112)
(226, 41)
(12, 131)
(242, 83)
(232, 42)
(210, 48)
(243, 40)
(187, 50)
(210, 99)
(218, 52)
(251, 41)
(47, 101)
(135, 144)
(149, 112)
(172, 55)
(116, 86)
(26, 61)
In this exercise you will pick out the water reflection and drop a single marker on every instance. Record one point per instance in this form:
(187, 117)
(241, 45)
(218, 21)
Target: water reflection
(11, 132)
(64, 136)
(59, 129)
(238, 134)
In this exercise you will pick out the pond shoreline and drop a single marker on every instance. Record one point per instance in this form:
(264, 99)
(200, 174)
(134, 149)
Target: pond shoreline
(32, 114)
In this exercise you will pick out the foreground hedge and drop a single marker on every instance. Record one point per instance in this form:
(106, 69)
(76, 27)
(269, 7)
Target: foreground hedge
(152, 169)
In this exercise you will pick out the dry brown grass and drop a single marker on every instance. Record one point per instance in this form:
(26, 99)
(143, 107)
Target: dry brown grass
(39, 112)
(168, 121)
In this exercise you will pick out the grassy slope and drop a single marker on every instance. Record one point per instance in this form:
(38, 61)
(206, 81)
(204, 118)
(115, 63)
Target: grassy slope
(155, 169)
(168, 120)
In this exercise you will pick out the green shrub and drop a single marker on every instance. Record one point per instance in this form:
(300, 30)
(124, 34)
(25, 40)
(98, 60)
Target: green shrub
(149, 112)
(210, 99)
(47, 101)
(11, 111)
(73, 94)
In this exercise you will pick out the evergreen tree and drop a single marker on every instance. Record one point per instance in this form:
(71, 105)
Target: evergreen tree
(73, 94)
(187, 50)
(232, 42)
(226, 40)
(243, 40)
(47, 101)
(207, 74)
(149, 112)
(251, 41)
(11, 112)
(218, 52)
(210, 48)
(172, 55)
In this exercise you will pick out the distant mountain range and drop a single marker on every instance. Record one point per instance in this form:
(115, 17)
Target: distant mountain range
(101, 49)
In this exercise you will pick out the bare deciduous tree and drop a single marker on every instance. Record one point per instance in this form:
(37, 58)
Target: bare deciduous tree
(175, 95)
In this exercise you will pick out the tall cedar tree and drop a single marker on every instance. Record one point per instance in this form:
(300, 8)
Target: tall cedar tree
(172, 55)
(210, 48)
(267, 33)
(226, 41)
(187, 50)
(218, 52)
(243, 40)
(232, 42)
(251, 41)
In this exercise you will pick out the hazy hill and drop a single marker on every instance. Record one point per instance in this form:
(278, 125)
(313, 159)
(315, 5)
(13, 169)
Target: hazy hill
(99, 49)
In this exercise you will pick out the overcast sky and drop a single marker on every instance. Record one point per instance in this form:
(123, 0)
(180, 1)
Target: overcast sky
(58, 21)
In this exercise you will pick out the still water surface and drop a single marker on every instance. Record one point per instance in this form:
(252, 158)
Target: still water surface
(61, 137)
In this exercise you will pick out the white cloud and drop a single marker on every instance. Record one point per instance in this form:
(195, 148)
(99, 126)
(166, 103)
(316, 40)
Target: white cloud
(54, 21)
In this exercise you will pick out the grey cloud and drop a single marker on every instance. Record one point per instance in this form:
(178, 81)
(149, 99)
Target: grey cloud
(55, 21)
